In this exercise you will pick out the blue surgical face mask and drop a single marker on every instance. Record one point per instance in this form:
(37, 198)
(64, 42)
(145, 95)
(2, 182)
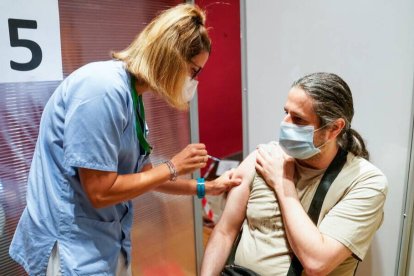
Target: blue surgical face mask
(297, 141)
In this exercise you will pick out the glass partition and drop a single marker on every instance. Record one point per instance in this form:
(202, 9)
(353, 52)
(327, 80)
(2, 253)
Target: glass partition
(163, 231)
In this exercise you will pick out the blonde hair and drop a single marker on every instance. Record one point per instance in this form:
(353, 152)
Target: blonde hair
(158, 56)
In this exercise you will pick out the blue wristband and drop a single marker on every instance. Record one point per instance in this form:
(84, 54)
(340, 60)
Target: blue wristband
(201, 188)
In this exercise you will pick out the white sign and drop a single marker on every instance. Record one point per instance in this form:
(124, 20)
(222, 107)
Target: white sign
(30, 41)
(225, 165)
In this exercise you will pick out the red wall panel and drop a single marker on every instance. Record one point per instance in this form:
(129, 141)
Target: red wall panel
(219, 90)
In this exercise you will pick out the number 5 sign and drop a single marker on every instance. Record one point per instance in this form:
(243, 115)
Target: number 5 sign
(30, 41)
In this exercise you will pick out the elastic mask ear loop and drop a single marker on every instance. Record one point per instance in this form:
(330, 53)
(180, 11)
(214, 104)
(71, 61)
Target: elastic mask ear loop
(322, 127)
(324, 143)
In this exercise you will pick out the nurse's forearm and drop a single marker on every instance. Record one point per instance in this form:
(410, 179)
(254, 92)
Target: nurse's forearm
(178, 187)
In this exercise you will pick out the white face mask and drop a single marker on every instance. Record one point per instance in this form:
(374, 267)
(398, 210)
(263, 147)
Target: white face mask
(190, 87)
(297, 141)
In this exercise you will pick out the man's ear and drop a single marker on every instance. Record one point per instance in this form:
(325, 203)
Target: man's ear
(337, 127)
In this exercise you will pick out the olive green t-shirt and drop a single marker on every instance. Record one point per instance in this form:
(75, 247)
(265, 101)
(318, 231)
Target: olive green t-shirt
(351, 213)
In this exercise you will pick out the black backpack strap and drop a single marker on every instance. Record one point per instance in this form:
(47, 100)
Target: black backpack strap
(327, 179)
(329, 176)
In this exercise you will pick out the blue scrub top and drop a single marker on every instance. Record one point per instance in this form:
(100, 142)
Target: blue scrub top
(88, 122)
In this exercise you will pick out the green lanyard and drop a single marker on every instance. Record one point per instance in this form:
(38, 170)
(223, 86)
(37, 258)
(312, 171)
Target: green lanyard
(139, 118)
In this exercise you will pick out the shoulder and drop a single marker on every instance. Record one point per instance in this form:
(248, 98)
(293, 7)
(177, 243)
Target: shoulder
(103, 75)
(272, 145)
(98, 88)
(107, 68)
(361, 172)
(99, 78)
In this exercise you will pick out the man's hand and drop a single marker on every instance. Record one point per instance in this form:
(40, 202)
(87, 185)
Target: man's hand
(275, 167)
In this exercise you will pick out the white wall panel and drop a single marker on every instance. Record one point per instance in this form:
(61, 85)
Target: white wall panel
(368, 43)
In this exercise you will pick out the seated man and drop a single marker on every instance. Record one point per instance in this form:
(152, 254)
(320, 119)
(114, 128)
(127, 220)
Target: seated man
(279, 181)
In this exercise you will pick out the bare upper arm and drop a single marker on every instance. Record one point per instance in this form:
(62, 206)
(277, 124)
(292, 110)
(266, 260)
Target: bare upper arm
(236, 203)
(95, 183)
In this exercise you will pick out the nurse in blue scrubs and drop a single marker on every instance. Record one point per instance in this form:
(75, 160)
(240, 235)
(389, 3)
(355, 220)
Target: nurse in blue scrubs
(91, 156)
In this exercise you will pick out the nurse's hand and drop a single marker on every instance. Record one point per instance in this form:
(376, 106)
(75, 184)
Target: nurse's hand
(191, 158)
(222, 184)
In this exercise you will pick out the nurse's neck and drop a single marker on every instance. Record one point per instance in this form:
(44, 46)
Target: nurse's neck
(140, 86)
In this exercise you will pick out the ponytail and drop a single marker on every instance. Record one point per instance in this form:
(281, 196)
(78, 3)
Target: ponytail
(353, 142)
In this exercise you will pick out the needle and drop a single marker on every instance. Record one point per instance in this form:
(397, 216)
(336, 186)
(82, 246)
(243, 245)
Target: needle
(214, 158)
